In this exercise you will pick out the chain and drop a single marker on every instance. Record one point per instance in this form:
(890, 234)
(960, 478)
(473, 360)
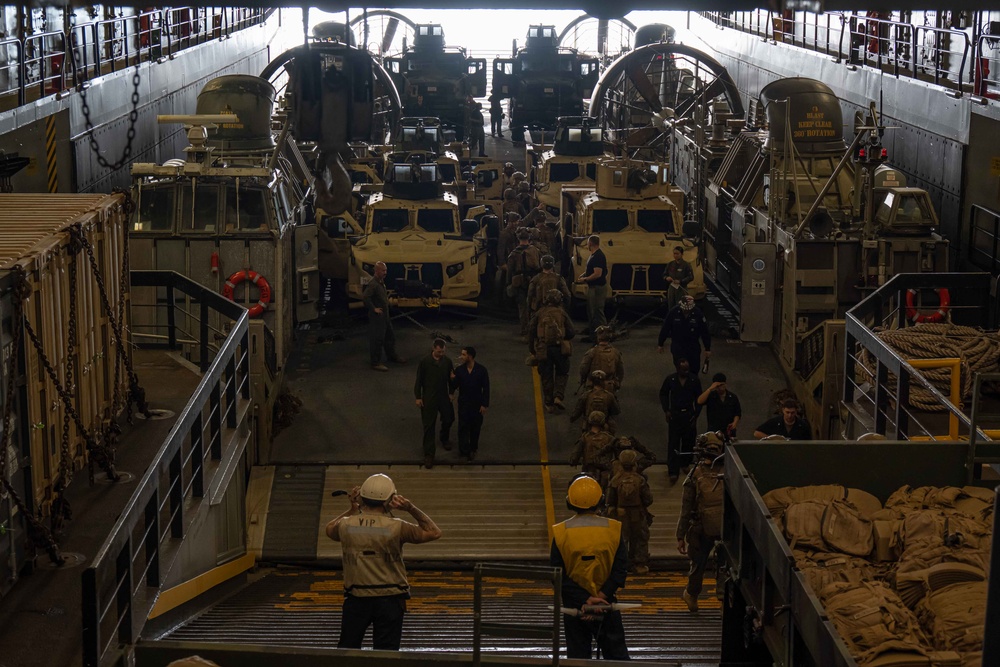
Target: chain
(37, 533)
(133, 115)
(136, 392)
(60, 506)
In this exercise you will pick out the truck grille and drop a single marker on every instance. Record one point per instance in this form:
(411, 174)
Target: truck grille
(637, 279)
(430, 273)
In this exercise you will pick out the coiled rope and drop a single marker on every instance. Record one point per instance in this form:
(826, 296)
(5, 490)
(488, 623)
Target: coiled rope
(979, 351)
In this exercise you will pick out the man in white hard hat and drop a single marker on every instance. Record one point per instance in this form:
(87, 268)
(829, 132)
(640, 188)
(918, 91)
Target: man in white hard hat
(375, 585)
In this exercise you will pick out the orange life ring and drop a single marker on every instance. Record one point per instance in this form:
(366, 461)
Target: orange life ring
(263, 289)
(944, 303)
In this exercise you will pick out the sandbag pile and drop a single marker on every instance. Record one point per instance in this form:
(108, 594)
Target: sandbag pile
(904, 584)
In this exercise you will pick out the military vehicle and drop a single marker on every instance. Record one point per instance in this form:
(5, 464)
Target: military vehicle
(801, 226)
(638, 215)
(435, 80)
(229, 216)
(544, 81)
(570, 162)
(413, 225)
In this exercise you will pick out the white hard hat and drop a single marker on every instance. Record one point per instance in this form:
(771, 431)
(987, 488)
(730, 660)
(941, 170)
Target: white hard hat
(378, 487)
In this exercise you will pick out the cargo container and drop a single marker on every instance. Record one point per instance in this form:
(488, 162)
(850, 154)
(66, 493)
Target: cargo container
(37, 240)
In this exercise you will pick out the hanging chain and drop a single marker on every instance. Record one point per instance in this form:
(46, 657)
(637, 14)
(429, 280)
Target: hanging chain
(133, 115)
(61, 510)
(38, 534)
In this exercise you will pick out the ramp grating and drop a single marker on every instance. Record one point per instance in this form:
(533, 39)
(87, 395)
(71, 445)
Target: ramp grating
(303, 609)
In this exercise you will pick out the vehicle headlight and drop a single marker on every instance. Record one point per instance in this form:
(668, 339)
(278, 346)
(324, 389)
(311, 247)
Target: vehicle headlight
(454, 269)
(368, 268)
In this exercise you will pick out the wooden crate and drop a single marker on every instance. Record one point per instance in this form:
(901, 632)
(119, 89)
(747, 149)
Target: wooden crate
(34, 234)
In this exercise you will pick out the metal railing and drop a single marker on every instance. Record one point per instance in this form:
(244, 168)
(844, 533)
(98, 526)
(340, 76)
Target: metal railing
(983, 247)
(884, 391)
(121, 584)
(36, 65)
(939, 55)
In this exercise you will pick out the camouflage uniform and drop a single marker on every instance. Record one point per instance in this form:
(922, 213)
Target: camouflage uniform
(523, 263)
(603, 357)
(611, 453)
(545, 281)
(628, 500)
(588, 448)
(552, 357)
(700, 526)
(598, 398)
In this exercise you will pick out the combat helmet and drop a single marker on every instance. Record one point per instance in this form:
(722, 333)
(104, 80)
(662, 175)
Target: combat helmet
(598, 376)
(603, 333)
(517, 176)
(523, 234)
(548, 262)
(709, 445)
(523, 187)
(629, 458)
(509, 193)
(378, 487)
(596, 418)
(584, 493)
(553, 298)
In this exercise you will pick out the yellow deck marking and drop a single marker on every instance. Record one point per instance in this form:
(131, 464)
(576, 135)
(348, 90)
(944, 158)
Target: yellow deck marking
(543, 449)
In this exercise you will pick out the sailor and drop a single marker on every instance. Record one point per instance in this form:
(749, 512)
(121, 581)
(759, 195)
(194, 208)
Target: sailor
(433, 394)
(678, 275)
(549, 333)
(591, 553)
(380, 333)
(700, 523)
(496, 115)
(721, 406)
(375, 584)
(547, 280)
(603, 357)
(629, 499)
(678, 395)
(687, 330)
(788, 424)
(477, 133)
(596, 280)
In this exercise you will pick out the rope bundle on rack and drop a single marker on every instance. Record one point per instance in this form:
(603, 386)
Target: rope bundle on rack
(979, 351)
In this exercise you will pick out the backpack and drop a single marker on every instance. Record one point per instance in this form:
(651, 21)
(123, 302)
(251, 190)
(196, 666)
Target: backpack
(543, 283)
(597, 399)
(532, 260)
(604, 359)
(629, 486)
(552, 329)
(593, 444)
(846, 530)
(709, 492)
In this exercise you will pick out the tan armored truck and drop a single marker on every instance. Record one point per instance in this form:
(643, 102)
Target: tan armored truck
(638, 216)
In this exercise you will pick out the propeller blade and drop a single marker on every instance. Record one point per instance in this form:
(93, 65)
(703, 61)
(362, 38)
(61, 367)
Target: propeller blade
(642, 136)
(390, 33)
(645, 87)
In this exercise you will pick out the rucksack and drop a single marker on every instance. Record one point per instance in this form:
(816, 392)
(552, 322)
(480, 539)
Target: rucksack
(629, 486)
(605, 358)
(598, 399)
(551, 328)
(543, 283)
(846, 530)
(710, 491)
(593, 444)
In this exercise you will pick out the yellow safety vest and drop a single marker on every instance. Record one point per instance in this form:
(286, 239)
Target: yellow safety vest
(373, 556)
(588, 544)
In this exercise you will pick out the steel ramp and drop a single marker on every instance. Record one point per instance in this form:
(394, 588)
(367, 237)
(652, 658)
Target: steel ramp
(303, 609)
(486, 512)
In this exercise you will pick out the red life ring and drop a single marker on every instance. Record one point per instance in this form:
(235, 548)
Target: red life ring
(263, 288)
(944, 302)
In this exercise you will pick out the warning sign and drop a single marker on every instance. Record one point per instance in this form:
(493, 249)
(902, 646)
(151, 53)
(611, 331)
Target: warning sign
(814, 126)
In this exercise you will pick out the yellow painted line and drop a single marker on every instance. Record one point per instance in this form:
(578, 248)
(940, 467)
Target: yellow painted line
(51, 166)
(189, 590)
(543, 449)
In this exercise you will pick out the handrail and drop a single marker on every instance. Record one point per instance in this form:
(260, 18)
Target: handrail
(899, 48)
(110, 45)
(122, 582)
(882, 308)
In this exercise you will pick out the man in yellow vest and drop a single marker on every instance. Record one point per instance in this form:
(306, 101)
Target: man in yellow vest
(592, 555)
(375, 585)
